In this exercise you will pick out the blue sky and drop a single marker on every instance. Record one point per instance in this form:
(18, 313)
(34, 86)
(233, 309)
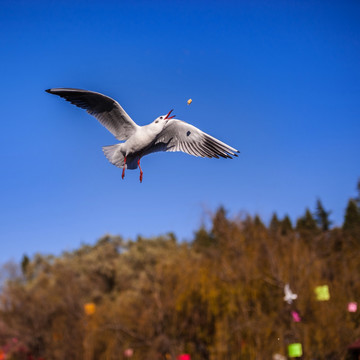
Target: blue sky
(278, 80)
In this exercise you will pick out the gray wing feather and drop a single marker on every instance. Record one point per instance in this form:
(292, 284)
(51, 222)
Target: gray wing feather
(105, 109)
(178, 135)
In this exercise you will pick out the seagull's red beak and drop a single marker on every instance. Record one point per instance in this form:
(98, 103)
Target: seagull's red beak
(167, 116)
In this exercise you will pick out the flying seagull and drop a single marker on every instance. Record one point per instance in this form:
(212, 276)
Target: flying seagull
(164, 134)
(289, 295)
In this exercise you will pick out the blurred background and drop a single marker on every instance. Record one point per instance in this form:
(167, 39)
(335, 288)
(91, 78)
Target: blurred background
(277, 80)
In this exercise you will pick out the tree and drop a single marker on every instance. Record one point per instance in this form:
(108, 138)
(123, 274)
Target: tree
(352, 216)
(286, 226)
(24, 264)
(220, 221)
(322, 216)
(258, 223)
(357, 199)
(203, 239)
(274, 223)
(306, 223)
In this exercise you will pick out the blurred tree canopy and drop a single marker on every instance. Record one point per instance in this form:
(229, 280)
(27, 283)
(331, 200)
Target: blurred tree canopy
(220, 296)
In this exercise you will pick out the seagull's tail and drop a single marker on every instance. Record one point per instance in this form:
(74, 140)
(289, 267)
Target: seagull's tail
(115, 156)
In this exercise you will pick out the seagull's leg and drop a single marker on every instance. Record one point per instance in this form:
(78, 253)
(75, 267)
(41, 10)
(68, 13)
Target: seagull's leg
(123, 172)
(141, 172)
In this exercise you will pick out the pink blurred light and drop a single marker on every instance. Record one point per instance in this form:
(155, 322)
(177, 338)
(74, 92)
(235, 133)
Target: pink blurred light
(129, 352)
(352, 306)
(184, 357)
(295, 316)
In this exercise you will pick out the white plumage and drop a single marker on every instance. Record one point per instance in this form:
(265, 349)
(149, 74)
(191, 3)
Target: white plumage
(289, 295)
(164, 134)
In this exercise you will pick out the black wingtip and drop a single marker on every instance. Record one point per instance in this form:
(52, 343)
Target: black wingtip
(48, 91)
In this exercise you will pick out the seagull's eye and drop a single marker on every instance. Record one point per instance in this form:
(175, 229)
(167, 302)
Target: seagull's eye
(161, 117)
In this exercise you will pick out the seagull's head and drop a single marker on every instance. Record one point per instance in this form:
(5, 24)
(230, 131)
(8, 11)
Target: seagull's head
(162, 120)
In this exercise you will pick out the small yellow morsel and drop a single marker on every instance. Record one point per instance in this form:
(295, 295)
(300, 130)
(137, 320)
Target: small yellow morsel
(189, 101)
(90, 308)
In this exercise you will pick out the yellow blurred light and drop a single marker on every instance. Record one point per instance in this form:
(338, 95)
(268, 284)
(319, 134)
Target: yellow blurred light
(89, 308)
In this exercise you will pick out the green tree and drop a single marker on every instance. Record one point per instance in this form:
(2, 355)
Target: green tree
(357, 199)
(286, 226)
(258, 223)
(322, 216)
(306, 223)
(274, 225)
(220, 222)
(352, 216)
(203, 239)
(24, 264)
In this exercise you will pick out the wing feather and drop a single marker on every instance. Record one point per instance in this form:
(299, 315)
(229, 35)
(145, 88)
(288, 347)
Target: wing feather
(105, 109)
(199, 150)
(178, 135)
(213, 149)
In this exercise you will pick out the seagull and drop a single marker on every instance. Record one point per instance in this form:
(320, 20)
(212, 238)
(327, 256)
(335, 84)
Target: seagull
(289, 295)
(164, 134)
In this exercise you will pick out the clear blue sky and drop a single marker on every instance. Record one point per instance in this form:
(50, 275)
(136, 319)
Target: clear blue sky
(278, 80)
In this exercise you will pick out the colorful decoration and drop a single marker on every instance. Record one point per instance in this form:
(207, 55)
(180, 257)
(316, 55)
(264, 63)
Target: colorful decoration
(322, 293)
(295, 350)
(289, 295)
(352, 306)
(129, 353)
(184, 357)
(189, 101)
(296, 317)
(89, 308)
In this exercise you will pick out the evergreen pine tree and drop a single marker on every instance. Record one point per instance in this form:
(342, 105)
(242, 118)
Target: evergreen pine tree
(274, 223)
(322, 216)
(202, 239)
(352, 216)
(357, 199)
(307, 222)
(257, 222)
(286, 225)
(220, 222)
(24, 264)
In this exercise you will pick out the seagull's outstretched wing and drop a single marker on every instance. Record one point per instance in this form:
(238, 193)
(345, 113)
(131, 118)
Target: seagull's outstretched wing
(105, 109)
(178, 135)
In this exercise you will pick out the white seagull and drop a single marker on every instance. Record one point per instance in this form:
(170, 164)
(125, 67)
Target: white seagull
(164, 134)
(289, 295)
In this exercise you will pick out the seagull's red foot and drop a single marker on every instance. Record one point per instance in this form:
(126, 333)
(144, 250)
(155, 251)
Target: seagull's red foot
(123, 172)
(141, 172)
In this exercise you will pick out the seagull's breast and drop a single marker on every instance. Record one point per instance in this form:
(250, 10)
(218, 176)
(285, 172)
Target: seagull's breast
(140, 140)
